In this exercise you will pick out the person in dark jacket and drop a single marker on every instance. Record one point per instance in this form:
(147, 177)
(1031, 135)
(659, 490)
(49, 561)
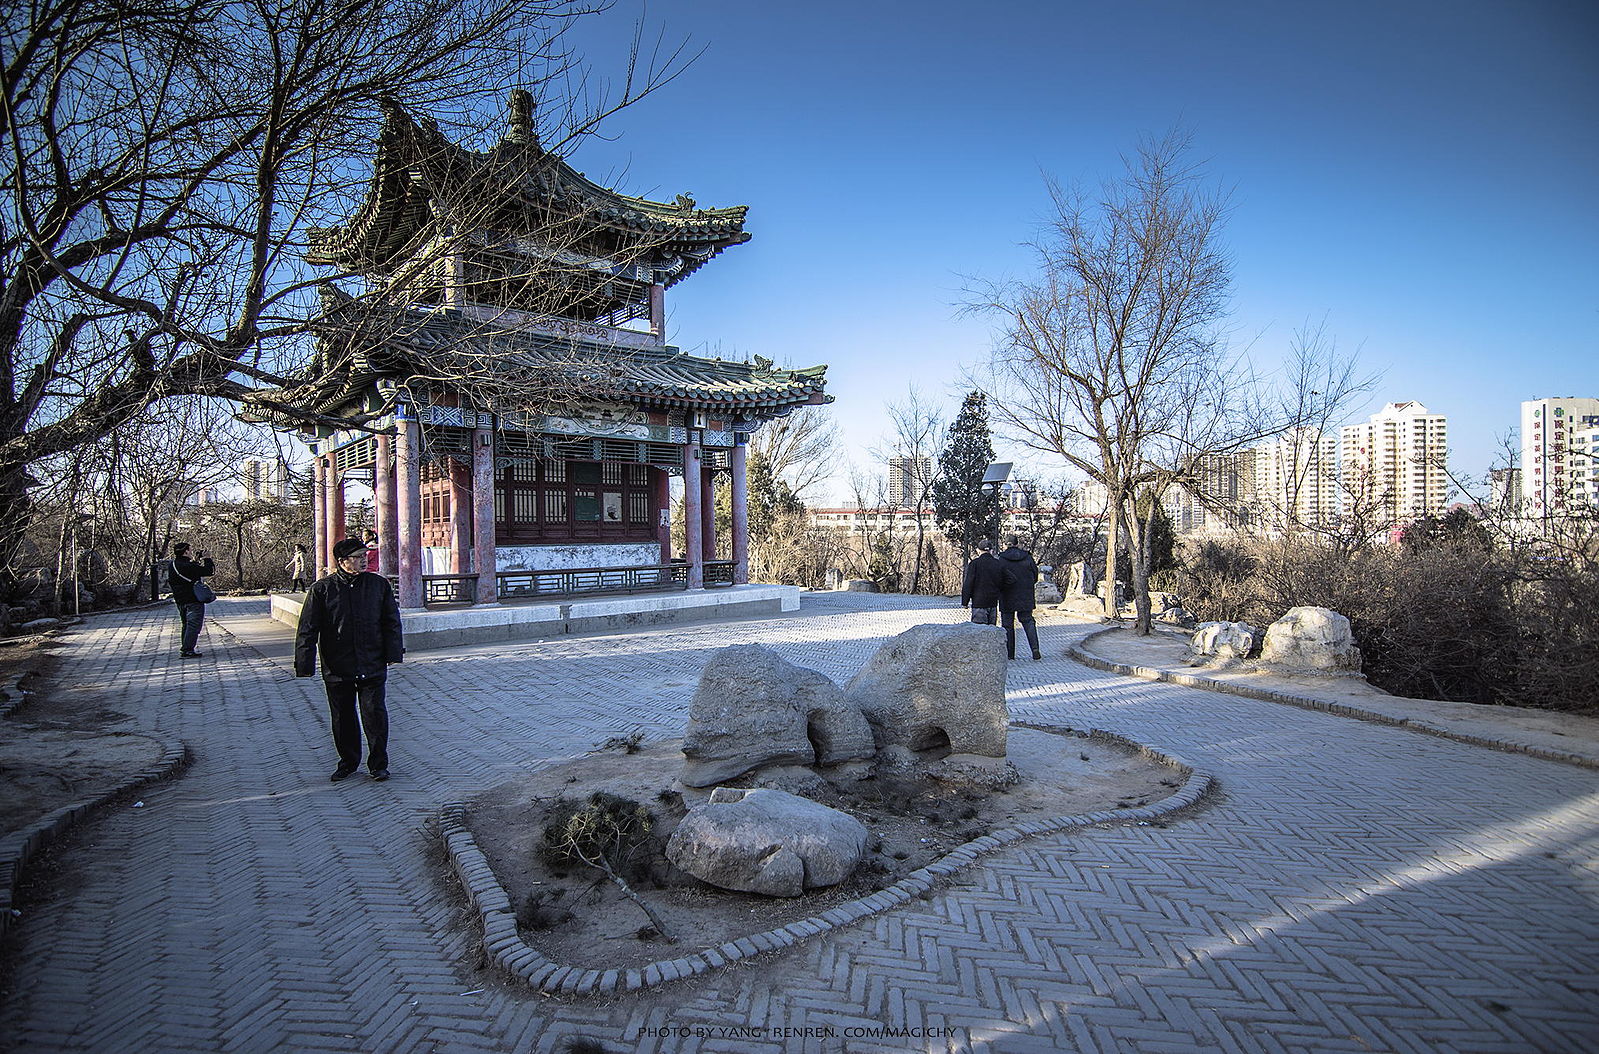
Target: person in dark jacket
(350, 617)
(986, 579)
(1017, 600)
(182, 574)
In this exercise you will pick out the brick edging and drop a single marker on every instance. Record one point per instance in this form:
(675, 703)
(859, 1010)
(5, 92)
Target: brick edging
(12, 694)
(19, 847)
(521, 961)
(1080, 653)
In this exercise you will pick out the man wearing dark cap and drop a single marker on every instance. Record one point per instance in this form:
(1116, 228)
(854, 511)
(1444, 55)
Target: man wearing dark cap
(350, 617)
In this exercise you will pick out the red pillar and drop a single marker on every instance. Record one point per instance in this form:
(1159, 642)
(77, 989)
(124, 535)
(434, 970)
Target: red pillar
(383, 507)
(740, 504)
(337, 528)
(708, 511)
(663, 503)
(460, 518)
(488, 586)
(319, 517)
(693, 523)
(658, 311)
(408, 510)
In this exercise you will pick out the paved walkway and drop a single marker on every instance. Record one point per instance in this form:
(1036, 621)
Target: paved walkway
(1355, 886)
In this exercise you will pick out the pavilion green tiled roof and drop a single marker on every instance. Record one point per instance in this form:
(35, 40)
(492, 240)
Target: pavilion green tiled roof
(671, 378)
(511, 188)
(359, 347)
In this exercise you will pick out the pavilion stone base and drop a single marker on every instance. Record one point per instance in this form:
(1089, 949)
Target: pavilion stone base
(459, 627)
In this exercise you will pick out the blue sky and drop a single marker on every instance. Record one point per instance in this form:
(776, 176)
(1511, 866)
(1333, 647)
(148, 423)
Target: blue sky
(1422, 175)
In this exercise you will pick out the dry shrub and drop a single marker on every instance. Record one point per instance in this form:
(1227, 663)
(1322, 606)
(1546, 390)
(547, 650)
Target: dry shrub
(1453, 622)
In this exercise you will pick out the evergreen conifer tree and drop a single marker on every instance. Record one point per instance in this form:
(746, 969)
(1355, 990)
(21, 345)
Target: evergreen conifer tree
(965, 510)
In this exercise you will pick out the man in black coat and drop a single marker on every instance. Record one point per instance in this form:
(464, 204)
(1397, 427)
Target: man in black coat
(350, 617)
(986, 580)
(181, 577)
(1017, 599)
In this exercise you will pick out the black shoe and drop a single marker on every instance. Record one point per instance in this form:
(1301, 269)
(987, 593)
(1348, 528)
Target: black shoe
(188, 655)
(343, 772)
(1037, 655)
(380, 774)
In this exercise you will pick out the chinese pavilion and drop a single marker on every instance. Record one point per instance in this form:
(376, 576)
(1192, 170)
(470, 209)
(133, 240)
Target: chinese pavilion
(504, 381)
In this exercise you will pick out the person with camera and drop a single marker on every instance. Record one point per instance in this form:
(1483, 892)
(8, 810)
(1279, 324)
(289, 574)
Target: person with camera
(183, 576)
(350, 619)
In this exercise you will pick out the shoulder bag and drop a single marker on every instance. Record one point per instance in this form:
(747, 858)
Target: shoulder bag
(202, 592)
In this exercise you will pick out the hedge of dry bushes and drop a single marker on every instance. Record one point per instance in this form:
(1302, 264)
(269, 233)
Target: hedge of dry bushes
(1445, 615)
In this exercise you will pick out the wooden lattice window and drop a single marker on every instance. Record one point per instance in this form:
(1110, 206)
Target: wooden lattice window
(553, 501)
(435, 502)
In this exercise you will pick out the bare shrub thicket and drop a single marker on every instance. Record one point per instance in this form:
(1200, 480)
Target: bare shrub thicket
(104, 514)
(1514, 624)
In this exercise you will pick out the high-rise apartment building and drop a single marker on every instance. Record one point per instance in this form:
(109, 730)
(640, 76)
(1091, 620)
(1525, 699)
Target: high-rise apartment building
(1296, 480)
(1394, 465)
(909, 481)
(1221, 500)
(262, 480)
(1552, 431)
(1504, 490)
(1582, 470)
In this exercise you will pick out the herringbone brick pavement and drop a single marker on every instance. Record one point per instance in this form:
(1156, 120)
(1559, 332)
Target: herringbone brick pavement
(1353, 886)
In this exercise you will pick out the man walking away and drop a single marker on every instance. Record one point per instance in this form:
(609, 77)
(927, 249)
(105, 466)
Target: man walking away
(1017, 600)
(350, 617)
(986, 579)
(182, 574)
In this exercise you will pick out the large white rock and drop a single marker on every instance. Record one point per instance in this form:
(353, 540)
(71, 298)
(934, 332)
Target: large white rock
(1223, 643)
(767, 841)
(1045, 590)
(936, 684)
(1313, 639)
(753, 708)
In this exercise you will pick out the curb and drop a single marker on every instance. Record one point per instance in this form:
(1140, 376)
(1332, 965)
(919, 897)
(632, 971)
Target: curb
(520, 961)
(19, 847)
(12, 694)
(1079, 652)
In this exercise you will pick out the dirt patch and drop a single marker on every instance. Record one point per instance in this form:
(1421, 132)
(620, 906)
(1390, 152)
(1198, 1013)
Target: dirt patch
(54, 747)
(44, 768)
(575, 915)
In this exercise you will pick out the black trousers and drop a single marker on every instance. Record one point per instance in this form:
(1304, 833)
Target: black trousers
(1008, 618)
(344, 697)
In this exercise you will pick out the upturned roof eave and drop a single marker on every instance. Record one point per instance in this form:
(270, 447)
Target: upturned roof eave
(412, 160)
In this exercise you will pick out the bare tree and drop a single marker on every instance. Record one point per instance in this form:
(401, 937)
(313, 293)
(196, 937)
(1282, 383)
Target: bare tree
(917, 426)
(166, 164)
(799, 448)
(1056, 534)
(118, 502)
(1307, 404)
(1098, 352)
(239, 517)
(1113, 356)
